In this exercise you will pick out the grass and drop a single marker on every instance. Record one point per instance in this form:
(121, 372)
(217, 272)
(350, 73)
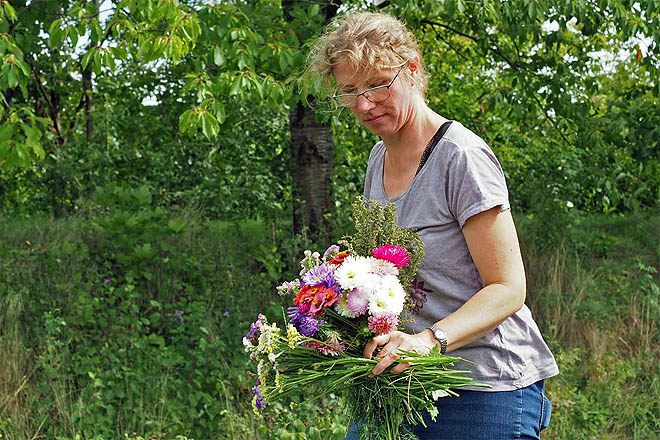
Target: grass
(82, 358)
(596, 297)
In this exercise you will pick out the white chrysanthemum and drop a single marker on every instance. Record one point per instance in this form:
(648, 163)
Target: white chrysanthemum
(389, 298)
(342, 308)
(391, 285)
(379, 304)
(369, 282)
(352, 272)
(383, 267)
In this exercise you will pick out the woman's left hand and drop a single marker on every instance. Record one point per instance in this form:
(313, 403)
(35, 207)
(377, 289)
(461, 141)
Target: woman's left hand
(392, 344)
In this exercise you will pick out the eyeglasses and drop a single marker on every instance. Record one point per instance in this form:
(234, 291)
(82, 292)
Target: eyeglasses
(374, 94)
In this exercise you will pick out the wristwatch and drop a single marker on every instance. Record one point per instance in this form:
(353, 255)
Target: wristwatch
(441, 337)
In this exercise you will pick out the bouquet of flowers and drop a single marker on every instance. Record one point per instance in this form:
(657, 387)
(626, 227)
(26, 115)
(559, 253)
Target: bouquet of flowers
(342, 300)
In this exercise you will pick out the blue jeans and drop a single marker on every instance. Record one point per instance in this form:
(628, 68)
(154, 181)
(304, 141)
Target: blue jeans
(474, 415)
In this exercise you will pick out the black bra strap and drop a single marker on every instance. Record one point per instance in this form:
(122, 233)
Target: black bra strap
(431, 145)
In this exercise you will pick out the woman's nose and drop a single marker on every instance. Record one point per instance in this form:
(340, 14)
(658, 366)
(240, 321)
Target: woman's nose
(363, 104)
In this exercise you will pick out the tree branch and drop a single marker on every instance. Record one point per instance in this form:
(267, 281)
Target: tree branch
(44, 95)
(549, 118)
(496, 50)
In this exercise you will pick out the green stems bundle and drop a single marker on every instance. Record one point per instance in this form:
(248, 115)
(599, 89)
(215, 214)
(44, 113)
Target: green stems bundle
(379, 404)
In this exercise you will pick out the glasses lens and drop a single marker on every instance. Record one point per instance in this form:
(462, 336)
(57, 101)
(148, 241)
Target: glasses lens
(378, 94)
(347, 100)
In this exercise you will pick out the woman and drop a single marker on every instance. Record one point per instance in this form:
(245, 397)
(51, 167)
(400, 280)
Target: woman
(448, 185)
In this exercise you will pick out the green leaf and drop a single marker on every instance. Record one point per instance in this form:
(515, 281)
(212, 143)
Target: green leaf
(185, 121)
(218, 59)
(259, 86)
(531, 10)
(10, 12)
(12, 79)
(235, 86)
(56, 33)
(109, 61)
(283, 61)
(85, 59)
(220, 114)
(73, 35)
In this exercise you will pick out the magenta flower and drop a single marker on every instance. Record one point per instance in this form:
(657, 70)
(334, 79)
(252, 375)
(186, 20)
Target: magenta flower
(394, 254)
(382, 324)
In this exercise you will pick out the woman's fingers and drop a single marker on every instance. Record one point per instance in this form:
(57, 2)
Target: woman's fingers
(393, 343)
(400, 367)
(388, 359)
(375, 342)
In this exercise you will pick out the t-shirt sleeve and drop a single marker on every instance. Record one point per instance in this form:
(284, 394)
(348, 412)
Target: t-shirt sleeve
(475, 183)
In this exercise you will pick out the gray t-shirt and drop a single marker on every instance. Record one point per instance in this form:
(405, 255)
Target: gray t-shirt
(461, 178)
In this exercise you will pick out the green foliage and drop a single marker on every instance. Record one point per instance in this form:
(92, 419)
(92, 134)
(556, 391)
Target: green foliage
(129, 321)
(596, 301)
(377, 226)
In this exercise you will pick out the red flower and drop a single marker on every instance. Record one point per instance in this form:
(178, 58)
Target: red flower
(339, 258)
(313, 300)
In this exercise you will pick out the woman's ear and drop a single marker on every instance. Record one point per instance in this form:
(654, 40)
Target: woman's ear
(413, 67)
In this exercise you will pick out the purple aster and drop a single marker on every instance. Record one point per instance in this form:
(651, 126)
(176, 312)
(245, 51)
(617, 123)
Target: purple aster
(258, 401)
(178, 314)
(305, 324)
(255, 328)
(320, 275)
(225, 314)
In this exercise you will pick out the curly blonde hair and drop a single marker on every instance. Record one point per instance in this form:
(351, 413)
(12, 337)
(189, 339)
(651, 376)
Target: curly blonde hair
(367, 42)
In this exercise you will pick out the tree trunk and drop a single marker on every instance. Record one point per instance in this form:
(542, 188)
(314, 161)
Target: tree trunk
(89, 103)
(312, 154)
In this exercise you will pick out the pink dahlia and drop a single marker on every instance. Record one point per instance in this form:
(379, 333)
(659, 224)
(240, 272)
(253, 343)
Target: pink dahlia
(393, 254)
(328, 349)
(382, 324)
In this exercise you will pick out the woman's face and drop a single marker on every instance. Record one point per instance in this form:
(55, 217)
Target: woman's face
(385, 117)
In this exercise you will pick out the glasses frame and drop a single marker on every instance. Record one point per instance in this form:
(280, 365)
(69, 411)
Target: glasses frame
(340, 102)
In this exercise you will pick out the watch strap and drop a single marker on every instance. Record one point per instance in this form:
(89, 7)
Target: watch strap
(441, 340)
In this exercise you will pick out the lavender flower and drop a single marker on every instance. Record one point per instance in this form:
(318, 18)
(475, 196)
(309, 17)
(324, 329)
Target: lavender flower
(106, 281)
(258, 400)
(226, 314)
(305, 324)
(179, 314)
(255, 328)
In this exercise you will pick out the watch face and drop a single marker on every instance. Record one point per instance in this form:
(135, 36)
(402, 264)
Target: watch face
(439, 334)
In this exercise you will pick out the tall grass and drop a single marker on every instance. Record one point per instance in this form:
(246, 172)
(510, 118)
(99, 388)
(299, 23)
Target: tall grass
(595, 296)
(91, 345)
